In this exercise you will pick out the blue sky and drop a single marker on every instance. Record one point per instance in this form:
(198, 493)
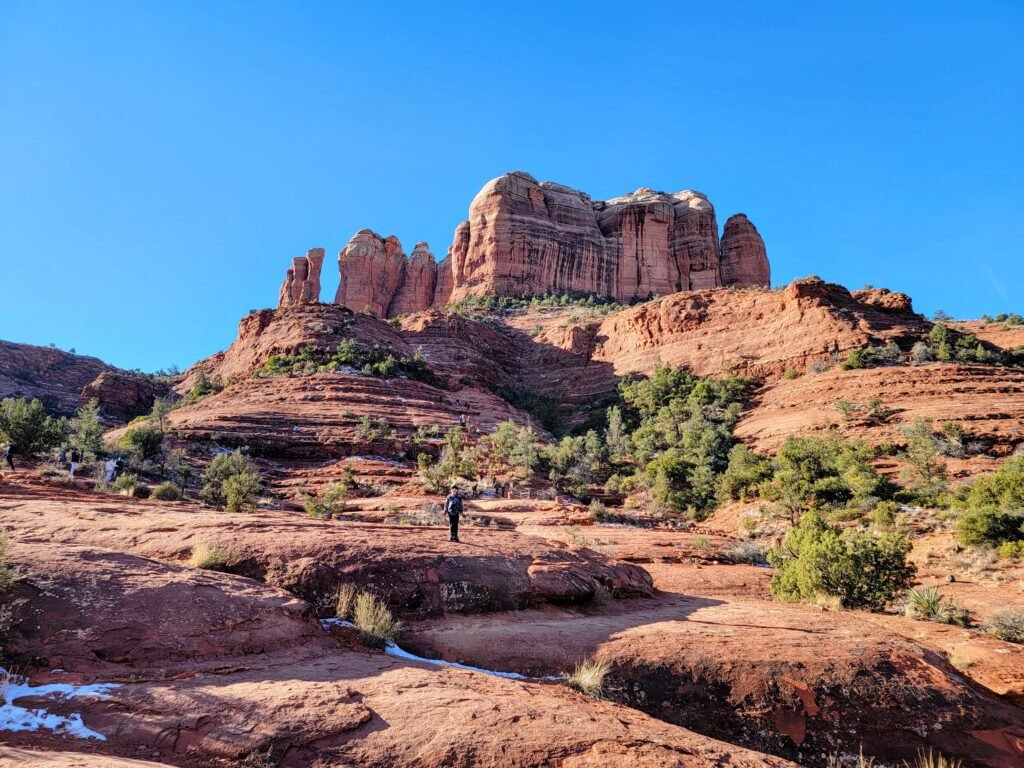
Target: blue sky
(160, 163)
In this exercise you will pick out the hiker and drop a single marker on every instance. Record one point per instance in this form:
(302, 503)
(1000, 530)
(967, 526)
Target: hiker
(9, 452)
(462, 419)
(110, 469)
(75, 458)
(62, 459)
(453, 508)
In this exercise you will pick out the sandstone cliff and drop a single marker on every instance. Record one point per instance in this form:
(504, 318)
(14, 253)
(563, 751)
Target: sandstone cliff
(525, 237)
(302, 283)
(529, 237)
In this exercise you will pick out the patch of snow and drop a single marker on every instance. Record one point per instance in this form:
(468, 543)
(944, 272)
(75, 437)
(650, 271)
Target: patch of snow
(15, 718)
(393, 650)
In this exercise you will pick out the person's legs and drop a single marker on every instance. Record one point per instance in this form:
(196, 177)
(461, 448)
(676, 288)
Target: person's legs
(10, 462)
(74, 468)
(453, 527)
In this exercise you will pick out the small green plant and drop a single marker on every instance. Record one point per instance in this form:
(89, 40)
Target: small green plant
(1007, 624)
(209, 557)
(167, 492)
(791, 373)
(376, 624)
(989, 527)
(1011, 550)
(702, 544)
(257, 759)
(7, 574)
(125, 483)
(929, 604)
(231, 483)
(346, 601)
(330, 503)
(588, 677)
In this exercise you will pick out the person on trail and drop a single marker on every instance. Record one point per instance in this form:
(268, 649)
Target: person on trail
(75, 458)
(62, 459)
(110, 469)
(453, 508)
(9, 452)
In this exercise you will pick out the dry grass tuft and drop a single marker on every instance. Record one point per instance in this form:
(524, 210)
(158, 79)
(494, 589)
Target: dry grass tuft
(212, 558)
(588, 677)
(346, 602)
(376, 624)
(931, 759)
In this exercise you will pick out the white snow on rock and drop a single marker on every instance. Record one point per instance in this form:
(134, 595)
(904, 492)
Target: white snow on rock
(393, 650)
(16, 718)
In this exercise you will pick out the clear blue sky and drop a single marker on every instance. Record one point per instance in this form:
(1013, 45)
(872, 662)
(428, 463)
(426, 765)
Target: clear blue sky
(161, 162)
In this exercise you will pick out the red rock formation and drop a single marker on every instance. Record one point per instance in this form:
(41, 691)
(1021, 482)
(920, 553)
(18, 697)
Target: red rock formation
(302, 283)
(530, 238)
(122, 395)
(416, 291)
(744, 259)
(525, 237)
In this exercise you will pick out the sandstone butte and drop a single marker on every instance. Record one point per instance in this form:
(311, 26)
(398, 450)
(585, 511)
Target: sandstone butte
(525, 237)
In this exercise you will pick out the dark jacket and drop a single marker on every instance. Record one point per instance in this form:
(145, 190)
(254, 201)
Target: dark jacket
(453, 504)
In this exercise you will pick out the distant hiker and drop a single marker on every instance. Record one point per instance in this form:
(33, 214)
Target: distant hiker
(9, 452)
(110, 469)
(62, 459)
(75, 458)
(462, 419)
(453, 508)
(474, 490)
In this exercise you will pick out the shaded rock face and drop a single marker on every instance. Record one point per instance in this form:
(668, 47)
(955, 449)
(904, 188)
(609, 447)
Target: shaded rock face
(744, 259)
(529, 237)
(302, 283)
(122, 395)
(51, 375)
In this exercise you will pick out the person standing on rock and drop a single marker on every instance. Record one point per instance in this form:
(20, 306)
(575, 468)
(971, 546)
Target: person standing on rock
(453, 508)
(75, 458)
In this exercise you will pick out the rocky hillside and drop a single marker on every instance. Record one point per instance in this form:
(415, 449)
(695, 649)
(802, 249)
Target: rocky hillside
(525, 237)
(63, 381)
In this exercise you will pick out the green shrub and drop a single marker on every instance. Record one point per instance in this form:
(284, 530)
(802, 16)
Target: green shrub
(375, 622)
(822, 473)
(25, 424)
(885, 515)
(1007, 624)
(144, 442)
(125, 483)
(860, 570)
(329, 503)
(7, 575)
(167, 492)
(86, 430)
(929, 604)
(588, 677)
(1011, 550)
(231, 482)
(791, 373)
(989, 527)
(1002, 490)
(925, 471)
(745, 472)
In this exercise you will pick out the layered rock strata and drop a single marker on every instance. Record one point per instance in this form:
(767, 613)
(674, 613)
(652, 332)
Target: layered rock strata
(525, 237)
(302, 283)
